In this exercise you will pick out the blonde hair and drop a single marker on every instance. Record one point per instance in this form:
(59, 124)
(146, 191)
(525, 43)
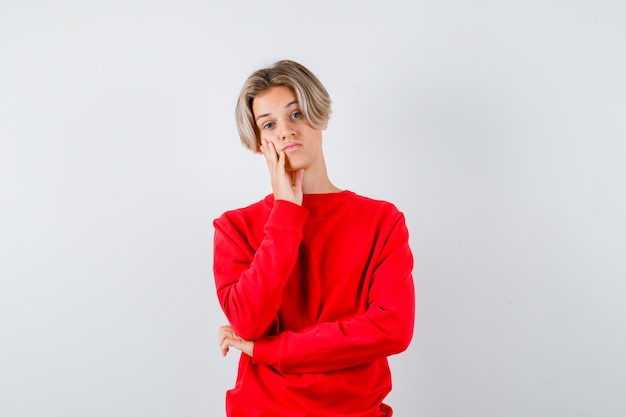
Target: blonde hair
(312, 96)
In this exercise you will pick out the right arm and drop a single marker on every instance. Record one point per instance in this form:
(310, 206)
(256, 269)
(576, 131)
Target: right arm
(250, 284)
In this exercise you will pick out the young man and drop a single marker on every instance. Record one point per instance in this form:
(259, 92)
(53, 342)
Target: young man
(316, 282)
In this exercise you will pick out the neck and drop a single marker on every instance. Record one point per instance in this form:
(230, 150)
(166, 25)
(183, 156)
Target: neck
(318, 187)
(316, 181)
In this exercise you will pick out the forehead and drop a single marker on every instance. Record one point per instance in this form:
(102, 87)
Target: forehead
(273, 100)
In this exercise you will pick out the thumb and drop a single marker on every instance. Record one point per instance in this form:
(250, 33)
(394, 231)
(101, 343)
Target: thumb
(298, 177)
(281, 161)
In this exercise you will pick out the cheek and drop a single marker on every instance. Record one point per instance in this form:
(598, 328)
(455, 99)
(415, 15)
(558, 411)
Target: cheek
(270, 139)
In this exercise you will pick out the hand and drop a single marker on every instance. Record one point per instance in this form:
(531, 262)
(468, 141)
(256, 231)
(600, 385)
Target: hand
(227, 338)
(285, 185)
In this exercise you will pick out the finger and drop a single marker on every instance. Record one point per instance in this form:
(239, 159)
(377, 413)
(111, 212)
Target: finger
(226, 343)
(225, 328)
(281, 162)
(229, 342)
(263, 148)
(222, 332)
(298, 177)
(271, 157)
(269, 151)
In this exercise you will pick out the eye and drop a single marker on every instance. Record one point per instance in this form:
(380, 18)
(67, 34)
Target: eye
(268, 125)
(296, 115)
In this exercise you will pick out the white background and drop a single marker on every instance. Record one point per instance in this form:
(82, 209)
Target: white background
(498, 127)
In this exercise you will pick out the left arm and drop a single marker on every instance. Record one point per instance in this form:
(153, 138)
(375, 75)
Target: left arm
(384, 329)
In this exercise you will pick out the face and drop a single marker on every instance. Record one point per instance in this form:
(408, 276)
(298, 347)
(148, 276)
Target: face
(280, 121)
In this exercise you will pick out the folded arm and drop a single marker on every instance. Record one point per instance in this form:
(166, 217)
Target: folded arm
(250, 284)
(385, 328)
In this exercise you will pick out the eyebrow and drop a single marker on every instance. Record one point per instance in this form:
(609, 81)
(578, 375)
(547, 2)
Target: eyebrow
(267, 114)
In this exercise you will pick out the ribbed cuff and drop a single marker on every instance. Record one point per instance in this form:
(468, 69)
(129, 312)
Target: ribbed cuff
(266, 351)
(287, 215)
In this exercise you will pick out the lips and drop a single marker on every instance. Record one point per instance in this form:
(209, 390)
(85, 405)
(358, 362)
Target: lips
(291, 147)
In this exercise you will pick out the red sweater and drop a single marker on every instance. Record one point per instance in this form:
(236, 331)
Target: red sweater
(326, 292)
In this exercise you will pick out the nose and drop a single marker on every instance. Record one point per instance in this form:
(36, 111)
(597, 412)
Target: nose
(287, 129)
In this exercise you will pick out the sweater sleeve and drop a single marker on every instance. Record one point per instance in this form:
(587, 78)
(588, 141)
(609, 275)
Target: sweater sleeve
(384, 329)
(250, 283)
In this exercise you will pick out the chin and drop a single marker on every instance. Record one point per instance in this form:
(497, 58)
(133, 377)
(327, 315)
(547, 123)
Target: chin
(291, 167)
